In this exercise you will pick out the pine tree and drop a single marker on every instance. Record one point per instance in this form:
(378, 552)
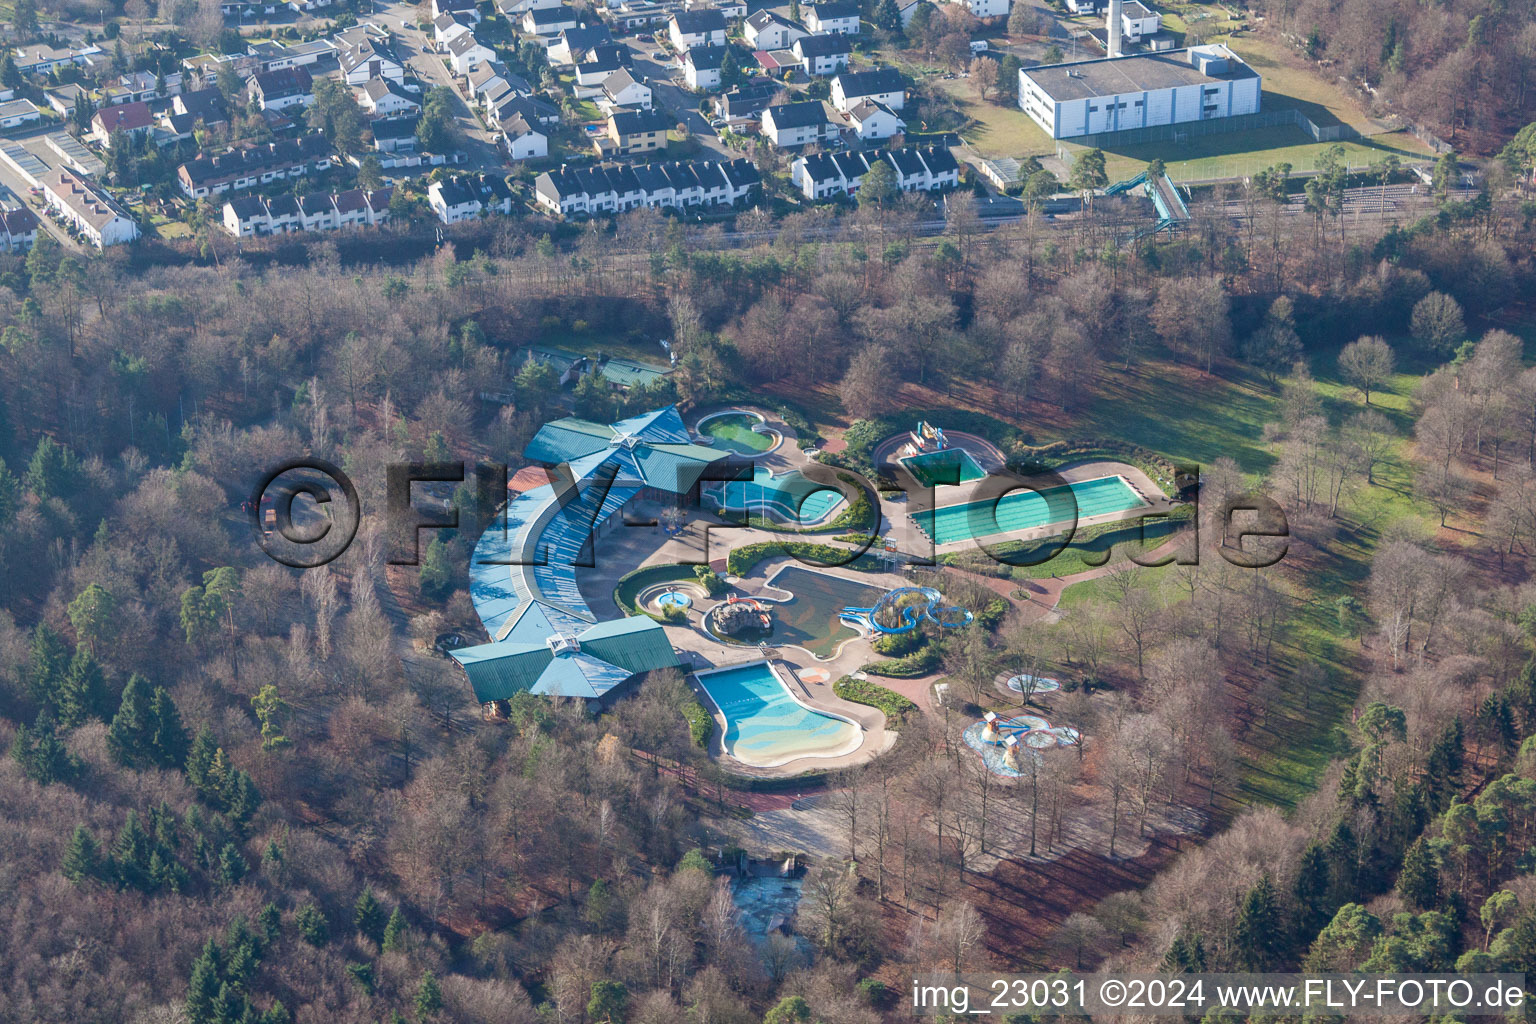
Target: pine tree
(312, 925)
(41, 755)
(168, 740)
(1310, 893)
(46, 667)
(429, 997)
(232, 865)
(130, 737)
(394, 932)
(436, 573)
(1442, 768)
(369, 916)
(203, 988)
(1419, 880)
(269, 922)
(200, 759)
(1259, 934)
(82, 859)
(1186, 955)
(131, 854)
(82, 694)
(887, 17)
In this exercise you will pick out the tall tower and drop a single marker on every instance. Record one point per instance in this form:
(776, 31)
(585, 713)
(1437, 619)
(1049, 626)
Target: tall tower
(1112, 28)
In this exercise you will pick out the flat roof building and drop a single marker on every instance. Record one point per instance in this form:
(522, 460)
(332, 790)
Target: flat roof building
(1090, 97)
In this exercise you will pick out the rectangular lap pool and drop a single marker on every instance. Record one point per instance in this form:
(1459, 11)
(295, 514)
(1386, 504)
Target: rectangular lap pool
(1025, 510)
(765, 726)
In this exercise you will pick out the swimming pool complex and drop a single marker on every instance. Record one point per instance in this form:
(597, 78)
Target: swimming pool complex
(766, 725)
(1024, 509)
(947, 466)
(788, 498)
(734, 432)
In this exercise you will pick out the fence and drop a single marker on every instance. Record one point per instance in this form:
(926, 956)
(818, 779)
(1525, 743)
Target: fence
(1187, 130)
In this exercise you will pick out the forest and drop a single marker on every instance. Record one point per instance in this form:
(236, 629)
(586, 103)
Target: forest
(241, 792)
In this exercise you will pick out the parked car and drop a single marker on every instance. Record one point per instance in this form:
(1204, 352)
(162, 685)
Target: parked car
(658, 55)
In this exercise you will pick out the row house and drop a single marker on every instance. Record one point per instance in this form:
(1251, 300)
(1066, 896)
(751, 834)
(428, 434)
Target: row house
(253, 217)
(247, 167)
(464, 196)
(44, 60)
(18, 229)
(917, 169)
(88, 208)
(615, 188)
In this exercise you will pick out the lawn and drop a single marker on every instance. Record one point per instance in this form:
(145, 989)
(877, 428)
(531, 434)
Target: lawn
(1242, 154)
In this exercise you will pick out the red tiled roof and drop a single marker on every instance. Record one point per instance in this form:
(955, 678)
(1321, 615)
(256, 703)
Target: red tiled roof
(125, 117)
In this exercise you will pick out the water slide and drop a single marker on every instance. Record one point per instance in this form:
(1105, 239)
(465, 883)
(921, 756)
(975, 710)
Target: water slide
(909, 616)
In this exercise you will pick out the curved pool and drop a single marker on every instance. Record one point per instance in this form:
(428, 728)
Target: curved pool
(674, 599)
(789, 498)
(766, 725)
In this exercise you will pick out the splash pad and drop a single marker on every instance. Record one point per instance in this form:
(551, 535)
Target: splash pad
(1004, 742)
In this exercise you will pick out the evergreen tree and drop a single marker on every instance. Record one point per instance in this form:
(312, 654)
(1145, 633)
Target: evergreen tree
(82, 859)
(47, 665)
(93, 613)
(269, 923)
(436, 573)
(429, 997)
(83, 693)
(54, 469)
(606, 1006)
(1259, 935)
(131, 853)
(1442, 768)
(203, 988)
(200, 758)
(730, 69)
(1419, 880)
(130, 739)
(1343, 863)
(1088, 173)
(41, 756)
(1310, 893)
(168, 740)
(1186, 955)
(232, 865)
(10, 75)
(887, 17)
(394, 932)
(369, 916)
(313, 928)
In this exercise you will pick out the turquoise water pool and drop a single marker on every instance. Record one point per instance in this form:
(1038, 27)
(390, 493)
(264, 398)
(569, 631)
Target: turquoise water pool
(765, 726)
(790, 497)
(1024, 510)
(949, 466)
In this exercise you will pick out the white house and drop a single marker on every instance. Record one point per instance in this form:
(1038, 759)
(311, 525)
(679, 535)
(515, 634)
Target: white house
(826, 175)
(446, 29)
(701, 67)
(19, 112)
(254, 217)
(881, 85)
(513, 10)
(88, 208)
(573, 43)
(549, 21)
(466, 53)
(765, 30)
(19, 229)
(1116, 93)
(696, 28)
(797, 124)
(873, 121)
(522, 140)
(463, 10)
(383, 98)
(622, 90)
(462, 196)
(824, 54)
(908, 10)
(832, 16)
(279, 90)
(611, 188)
(369, 57)
(989, 8)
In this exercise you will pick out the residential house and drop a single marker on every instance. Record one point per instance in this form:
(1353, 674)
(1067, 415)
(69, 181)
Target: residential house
(129, 118)
(881, 85)
(19, 229)
(62, 98)
(523, 140)
(279, 90)
(513, 10)
(598, 63)
(701, 67)
(535, 111)
(88, 208)
(273, 56)
(447, 28)
(492, 75)
(621, 89)
(747, 100)
(824, 54)
(636, 15)
(383, 98)
(988, 8)
(1137, 21)
(825, 175)
(873, 121)
(908, 10)
(635, 131)
(463, 10)
(797, 124)
(462, 196)
(765, 30)
(205, 105)
(16, 113)
(395, 134)
(141, 86)
(246, 167)
(549, 21)
(44, 60)
(614, 188)
(253, 217)
(832, 16)
(284, 215)
(730, 8)
(572, 43)
(368, 57)
(466, 53)
(696, 28)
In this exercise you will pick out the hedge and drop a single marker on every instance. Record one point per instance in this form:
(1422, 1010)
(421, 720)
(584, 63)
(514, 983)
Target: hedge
(700, 722)
(919, 663)
(862, 691)
(742, 560)
(630, 584)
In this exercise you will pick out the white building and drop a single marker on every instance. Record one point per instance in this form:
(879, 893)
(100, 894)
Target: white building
(872, 121)
(88, 208)
(467, 53)
(614, 188)
(917, 169)
(881, 85)
(19, 112)
(797, 124)
(522, 140)
(463, 196)
(701, 67)
(823, 55)
(1137, 21)
(1110, 94)
(833, 16)
(696, 28)
(765, 30)
(988, 8)
(383, 98)
(622, 90)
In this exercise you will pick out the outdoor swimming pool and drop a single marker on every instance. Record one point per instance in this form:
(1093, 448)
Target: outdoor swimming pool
(788, 498)
(1024, 510)
(733, 432)
(765, 725)
(949, 466)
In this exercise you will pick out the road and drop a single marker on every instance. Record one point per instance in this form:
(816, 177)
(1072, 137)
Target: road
(668, 95)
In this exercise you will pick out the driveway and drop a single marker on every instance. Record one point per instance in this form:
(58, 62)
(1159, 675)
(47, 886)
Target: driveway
(670, 96)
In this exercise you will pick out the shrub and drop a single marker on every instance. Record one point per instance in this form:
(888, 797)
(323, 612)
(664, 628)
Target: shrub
(743, 559)
(700, 722)
(862, 691)
(918, 663)
(894, 645)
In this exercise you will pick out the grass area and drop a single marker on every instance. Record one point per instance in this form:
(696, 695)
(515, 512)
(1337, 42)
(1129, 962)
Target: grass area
(1242, 154)
(862, 691)
(632, 583)
(594, 344)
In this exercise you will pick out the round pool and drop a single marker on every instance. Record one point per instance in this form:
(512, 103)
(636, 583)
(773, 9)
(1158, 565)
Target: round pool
(674, 599)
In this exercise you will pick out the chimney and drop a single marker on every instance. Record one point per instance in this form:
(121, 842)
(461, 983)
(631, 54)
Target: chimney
(1113, 28)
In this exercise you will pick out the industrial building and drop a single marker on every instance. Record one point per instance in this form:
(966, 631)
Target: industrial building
(1117, 93)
